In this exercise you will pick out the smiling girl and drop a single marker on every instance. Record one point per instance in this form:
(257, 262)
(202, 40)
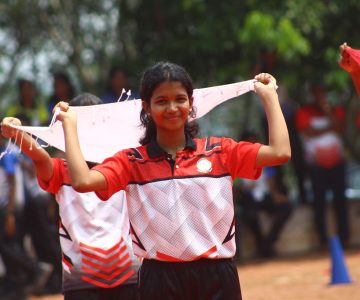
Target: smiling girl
(179, 188)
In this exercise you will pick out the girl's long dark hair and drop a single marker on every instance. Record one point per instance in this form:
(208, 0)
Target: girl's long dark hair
(151, 78)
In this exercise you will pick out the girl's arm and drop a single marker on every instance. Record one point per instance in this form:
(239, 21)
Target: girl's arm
(41, 159)
(82, 178)
(278, 151)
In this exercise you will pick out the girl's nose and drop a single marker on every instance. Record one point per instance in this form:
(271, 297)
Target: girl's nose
(172, 106)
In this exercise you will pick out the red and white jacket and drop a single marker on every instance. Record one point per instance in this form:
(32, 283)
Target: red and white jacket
(182, 209)
(94, 235)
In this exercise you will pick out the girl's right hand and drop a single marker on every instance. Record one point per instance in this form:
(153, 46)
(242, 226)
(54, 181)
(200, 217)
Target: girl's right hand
(7, 131)
(64, 113)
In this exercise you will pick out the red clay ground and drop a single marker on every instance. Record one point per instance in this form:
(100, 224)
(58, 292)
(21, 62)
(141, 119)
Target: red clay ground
(292, 279)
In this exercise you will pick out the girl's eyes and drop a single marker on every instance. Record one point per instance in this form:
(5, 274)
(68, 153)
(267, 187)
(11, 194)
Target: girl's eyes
(164, 101)
(161, 102)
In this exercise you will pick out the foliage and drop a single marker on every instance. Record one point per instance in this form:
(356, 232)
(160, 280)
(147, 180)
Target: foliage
(217, 41)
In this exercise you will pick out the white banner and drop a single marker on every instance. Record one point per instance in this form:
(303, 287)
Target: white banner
(107, 128)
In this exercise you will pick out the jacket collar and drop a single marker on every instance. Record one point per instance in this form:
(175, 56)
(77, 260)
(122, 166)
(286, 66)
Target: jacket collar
(154, 150)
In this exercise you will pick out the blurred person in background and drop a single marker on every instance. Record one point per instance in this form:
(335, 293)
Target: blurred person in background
(116, 85)
(268, 194)
(322, 127)
(268, 62)
(24, 274)
(41, 224)
(28, 104)
(63, 90)
(41, 221)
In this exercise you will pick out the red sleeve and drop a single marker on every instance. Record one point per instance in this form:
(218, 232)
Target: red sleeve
(57, 179)
(241, 158)
(302, 119)
(116, 172)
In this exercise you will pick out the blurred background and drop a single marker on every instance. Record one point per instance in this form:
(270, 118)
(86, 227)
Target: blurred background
(64, 48)
(218, 43)
(51, 50)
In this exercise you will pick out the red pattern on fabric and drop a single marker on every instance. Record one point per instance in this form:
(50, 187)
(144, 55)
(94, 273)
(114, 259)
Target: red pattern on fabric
(103, 268)
(110, 276)
(169, 258)
(103, 276)
(104, 259)
(107, 285)
(100, 250)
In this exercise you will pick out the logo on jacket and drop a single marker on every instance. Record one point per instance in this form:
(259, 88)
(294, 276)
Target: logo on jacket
(203, 165)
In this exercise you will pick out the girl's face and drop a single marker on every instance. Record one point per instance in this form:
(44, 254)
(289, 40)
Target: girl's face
(169, 106)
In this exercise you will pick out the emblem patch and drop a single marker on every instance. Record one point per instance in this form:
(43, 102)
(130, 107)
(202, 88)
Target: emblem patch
(203, 165)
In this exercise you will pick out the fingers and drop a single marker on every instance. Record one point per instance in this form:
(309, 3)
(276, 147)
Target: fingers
(9, 121)
(266, 78)
(58, 111)
(62, 106)
(7, 129)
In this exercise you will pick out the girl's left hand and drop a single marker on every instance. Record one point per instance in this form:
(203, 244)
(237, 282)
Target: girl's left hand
(265, 84)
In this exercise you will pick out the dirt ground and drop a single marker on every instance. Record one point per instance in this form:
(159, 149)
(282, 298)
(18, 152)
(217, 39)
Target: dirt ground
(299, 278)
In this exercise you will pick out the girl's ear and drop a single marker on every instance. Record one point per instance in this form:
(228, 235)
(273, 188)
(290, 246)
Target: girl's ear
(145, 106)
(191, 100)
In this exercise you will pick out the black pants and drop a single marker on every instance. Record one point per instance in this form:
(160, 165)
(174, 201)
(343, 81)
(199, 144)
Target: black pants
(333, 180)
(126, 292)
(204, 279)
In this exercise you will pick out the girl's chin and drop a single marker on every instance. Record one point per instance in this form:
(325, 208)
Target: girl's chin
(173, 127)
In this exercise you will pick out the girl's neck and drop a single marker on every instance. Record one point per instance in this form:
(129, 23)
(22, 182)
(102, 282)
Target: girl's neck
(171, 143)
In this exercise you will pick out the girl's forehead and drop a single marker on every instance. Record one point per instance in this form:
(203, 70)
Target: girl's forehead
(169, 84)
(169, 88)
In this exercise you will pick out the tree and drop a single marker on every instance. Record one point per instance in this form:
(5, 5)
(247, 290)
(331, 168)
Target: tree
(217, 41)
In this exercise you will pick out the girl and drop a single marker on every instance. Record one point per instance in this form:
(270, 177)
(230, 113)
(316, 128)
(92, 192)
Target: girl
(179, 188)
(97, 257)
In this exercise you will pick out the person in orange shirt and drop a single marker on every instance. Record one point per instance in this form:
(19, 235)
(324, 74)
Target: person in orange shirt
(321, 128)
